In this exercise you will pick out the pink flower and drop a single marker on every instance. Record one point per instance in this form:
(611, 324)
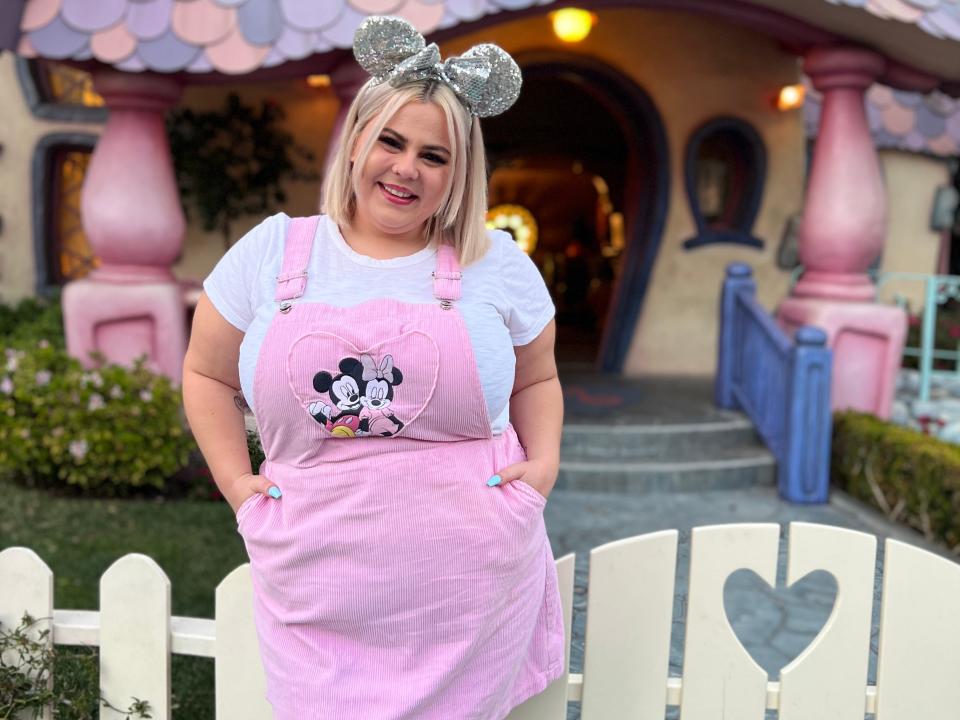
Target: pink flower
(116, 392)
(44, 344)
(12, 363)
(78, 448)
(6, 386)
(43, 377)
(96, 402)
(146, 396)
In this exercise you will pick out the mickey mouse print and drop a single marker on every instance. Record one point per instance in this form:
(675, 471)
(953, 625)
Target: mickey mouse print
(360, 396)
(357, 390)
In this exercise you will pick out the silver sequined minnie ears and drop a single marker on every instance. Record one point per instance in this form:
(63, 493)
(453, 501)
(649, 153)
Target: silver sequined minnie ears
(485, 77)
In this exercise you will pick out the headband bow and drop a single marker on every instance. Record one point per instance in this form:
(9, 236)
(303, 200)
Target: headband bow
(372, 371)
(485, 77)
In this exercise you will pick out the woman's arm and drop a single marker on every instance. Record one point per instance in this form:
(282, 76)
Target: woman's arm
(536, 412)
(211, 399)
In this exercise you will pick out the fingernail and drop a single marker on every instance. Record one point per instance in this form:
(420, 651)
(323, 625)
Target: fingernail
(274, 492)
(495, 480)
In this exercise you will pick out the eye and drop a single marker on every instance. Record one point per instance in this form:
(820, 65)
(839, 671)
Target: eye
(389, 141)
(435, 159)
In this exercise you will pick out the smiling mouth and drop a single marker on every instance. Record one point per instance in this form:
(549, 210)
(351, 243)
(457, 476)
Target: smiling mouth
(396, 195)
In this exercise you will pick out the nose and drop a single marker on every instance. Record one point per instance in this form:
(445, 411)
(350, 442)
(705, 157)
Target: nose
(406, 166)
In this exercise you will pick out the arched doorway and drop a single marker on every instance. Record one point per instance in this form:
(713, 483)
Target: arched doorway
(585, 152)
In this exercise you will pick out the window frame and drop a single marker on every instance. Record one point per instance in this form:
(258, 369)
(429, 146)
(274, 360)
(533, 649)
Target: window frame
(31, 88)
(44, 211)
(753, 153)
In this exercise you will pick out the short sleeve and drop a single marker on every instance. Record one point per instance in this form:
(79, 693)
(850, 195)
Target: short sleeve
(233, 285)
(528, 302)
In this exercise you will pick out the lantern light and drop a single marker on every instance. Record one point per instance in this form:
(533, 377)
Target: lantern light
(318, 81)
(790, 97)
(571, 24)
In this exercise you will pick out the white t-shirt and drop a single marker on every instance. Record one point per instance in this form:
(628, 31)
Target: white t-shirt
(504, 299)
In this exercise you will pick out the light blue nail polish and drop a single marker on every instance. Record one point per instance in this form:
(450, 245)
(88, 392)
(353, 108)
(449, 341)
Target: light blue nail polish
(495, 480)
(274, 492)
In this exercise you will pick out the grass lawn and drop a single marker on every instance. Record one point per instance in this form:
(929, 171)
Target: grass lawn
(195, 542)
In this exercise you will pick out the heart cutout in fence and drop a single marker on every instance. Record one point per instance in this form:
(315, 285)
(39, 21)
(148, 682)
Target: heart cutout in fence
(775, 625)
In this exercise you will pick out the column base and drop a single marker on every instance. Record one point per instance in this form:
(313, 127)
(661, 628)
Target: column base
(124, 322)
(867, 341)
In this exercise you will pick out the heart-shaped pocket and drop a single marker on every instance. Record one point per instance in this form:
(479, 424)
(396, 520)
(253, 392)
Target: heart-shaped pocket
(775, 625)
(375, 391)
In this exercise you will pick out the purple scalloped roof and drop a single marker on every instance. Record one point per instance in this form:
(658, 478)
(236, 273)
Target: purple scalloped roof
(238, 36)
(229, 36)
(902, 120)
(940, 18)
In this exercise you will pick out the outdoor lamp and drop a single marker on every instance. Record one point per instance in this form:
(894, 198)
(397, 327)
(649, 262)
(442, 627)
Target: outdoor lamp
(790, 97)
(571, 24)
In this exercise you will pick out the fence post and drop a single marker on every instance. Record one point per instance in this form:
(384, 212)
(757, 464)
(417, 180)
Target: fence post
(739, 279)
(135, 636)
(26, 585)
(804, 474)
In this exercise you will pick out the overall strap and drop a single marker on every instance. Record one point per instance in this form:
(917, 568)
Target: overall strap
(446, 275)
(292, 280)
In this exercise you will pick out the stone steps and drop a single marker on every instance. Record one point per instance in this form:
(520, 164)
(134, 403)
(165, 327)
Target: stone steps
(641, 458)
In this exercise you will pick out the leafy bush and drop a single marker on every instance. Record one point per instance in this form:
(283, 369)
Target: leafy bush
(106, 431)
(255, 449)
(26, 664)
(235, 161)
(912, 477)
(32, 320)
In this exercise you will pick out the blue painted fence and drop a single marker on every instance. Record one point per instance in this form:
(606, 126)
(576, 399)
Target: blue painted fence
(782, 384)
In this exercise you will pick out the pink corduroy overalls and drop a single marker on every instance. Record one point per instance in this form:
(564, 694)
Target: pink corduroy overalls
(390, 581)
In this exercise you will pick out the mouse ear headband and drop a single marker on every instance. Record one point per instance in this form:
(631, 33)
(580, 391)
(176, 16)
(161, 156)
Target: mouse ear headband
(485, 77)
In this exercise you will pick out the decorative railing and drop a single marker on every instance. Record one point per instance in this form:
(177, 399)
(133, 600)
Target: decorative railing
(937, 290)
(627, 642)
(781, 383)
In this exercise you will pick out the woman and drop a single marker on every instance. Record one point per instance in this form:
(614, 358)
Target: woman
(400, 564)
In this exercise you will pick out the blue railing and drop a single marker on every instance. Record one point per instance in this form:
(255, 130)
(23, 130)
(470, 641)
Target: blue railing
(782, 384)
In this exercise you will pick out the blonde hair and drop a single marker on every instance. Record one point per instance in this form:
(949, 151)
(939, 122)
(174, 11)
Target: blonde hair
(461, 218)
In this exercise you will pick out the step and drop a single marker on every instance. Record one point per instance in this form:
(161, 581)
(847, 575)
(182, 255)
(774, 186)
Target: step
(743, 468)
(599, 442)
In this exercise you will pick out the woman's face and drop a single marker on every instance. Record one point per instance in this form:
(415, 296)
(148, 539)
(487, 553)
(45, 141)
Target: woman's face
(401, 185)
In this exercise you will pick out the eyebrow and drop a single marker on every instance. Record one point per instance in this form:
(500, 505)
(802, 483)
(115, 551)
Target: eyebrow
(401, 138)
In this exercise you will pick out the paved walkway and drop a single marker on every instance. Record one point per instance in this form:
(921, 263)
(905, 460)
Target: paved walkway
(774, 625)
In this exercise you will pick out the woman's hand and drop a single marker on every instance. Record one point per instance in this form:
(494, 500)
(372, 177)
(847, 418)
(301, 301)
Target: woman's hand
(539, 474)
(248, 485)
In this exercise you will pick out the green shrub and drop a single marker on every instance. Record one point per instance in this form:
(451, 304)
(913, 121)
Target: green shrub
(105, 431)
(912, 477)
(255, 449)
(32, 320)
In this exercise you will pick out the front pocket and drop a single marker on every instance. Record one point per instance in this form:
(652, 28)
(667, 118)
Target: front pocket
(530, 491)
(245, 507)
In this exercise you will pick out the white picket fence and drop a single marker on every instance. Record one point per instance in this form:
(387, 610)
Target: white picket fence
(627, 644)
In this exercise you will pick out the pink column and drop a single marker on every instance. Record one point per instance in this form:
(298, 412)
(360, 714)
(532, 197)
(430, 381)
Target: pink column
(842, 232)
(130, 209)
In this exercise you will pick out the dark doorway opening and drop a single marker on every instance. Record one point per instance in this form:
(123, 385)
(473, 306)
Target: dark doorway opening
(584, 152)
